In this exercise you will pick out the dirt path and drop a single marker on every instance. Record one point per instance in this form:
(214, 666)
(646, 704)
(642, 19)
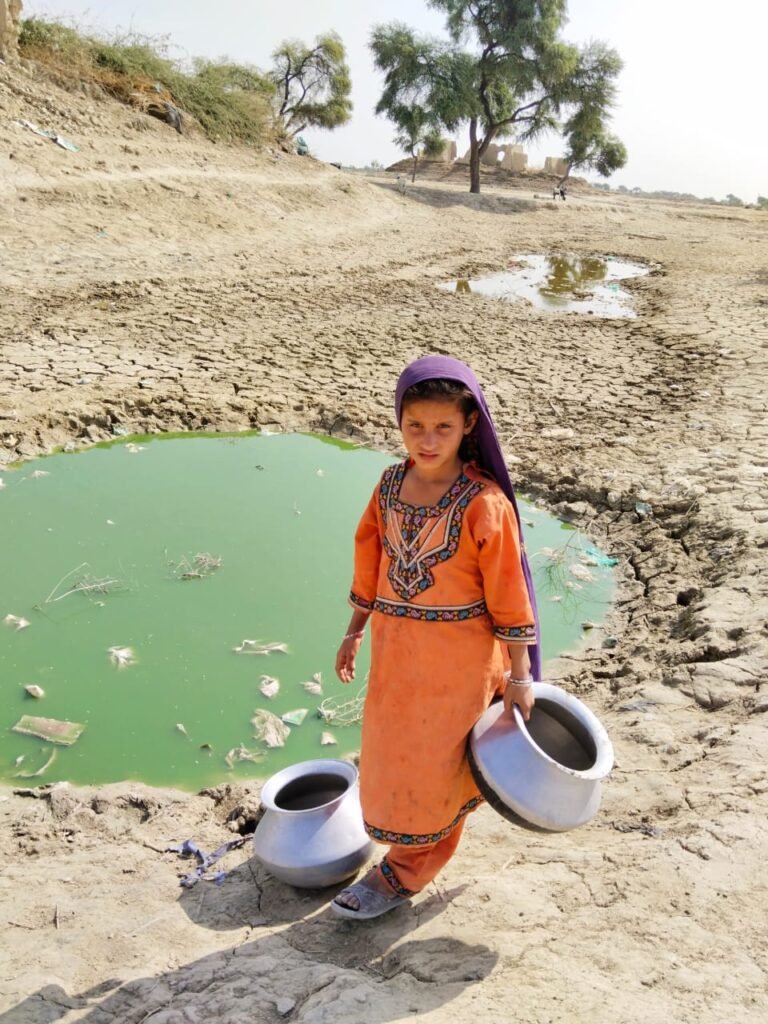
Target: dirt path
(152, 282)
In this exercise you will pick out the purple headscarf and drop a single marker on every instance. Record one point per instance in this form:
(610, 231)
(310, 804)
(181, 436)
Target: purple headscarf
(491, 458)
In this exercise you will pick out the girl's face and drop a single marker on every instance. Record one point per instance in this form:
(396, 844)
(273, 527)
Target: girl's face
(433, 430)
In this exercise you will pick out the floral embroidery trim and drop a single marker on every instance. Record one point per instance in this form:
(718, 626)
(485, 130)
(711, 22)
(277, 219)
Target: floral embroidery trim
(409, 570)
(428, 613)
(390, 877)
(360, 602)
(516, 634)
(414, 839)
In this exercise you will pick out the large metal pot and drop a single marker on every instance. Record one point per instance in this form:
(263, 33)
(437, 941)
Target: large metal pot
(312, 834)
(543, 774)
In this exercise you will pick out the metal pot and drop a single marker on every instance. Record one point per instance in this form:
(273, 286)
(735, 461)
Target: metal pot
(312, 834)
(543, 774)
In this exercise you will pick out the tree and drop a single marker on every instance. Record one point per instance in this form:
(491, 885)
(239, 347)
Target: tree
(589, 145)
(312, 84)
(424, 86)
(508, 70)
(762, 202)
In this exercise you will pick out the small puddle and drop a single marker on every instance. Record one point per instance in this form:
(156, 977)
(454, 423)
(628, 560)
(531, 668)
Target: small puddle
(560, 284)
(179, 596)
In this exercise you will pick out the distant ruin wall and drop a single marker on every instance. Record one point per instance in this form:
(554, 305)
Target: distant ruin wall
(510, 157)
(556, 165)
(10, 22)
(449, 152)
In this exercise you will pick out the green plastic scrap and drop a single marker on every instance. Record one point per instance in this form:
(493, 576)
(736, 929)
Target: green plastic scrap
(50, 729)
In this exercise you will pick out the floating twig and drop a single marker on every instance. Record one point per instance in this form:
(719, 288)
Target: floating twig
(341, 713)
(87, 584)
(203, 564)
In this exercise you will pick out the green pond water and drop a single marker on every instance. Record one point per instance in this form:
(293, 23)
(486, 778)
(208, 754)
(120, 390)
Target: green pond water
(560, 283)
(97, 548)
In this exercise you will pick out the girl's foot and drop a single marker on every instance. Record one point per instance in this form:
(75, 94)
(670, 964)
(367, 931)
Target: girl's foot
(368, 898)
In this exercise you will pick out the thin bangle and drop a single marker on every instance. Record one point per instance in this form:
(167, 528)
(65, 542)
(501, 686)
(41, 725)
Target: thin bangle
(349, 636)
(509, 678)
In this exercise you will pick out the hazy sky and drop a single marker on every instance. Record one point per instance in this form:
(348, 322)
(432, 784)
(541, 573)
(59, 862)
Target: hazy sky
(692, 96)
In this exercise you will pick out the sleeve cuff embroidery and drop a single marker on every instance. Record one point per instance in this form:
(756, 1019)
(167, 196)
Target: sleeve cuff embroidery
(359, 602)
(516, 634)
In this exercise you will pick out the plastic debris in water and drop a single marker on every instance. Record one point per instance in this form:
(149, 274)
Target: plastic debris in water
(314, 685)
(40, 771)
(258, 647)
(295, 717)
(242, 753)
(208, 747)
(269, 686)
(17, 622)
(607, 561)
(581, 573)
(20, 760)
(180, 728)
(2, 483)
(122, 657)
(269, 728)
(320, 472)
(35, 691)
(133, 448)
(327, 739)
(50, 729)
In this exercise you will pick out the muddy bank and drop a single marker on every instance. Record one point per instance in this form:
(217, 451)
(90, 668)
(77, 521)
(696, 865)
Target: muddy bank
(153, 282)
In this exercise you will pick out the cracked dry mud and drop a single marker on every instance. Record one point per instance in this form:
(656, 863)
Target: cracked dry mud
(153, 282)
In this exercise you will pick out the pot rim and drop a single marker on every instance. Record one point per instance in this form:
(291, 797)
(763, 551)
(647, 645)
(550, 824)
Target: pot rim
(604, 757)
(321, 765)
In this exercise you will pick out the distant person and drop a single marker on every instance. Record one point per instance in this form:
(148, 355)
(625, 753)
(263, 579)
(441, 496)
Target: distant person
(562, 192)
(440, 571)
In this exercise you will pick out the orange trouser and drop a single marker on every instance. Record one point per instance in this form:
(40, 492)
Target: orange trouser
(408, 869)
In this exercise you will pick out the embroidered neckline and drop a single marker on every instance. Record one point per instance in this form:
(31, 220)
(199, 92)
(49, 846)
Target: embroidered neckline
(425, 511)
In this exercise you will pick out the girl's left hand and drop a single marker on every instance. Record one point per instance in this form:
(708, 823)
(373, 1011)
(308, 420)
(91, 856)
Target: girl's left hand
(520, 695)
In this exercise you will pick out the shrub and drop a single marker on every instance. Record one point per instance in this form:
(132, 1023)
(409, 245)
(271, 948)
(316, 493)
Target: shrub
(231, 102)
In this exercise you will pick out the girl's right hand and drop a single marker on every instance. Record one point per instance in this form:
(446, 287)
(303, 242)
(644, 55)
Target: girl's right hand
(345, 658)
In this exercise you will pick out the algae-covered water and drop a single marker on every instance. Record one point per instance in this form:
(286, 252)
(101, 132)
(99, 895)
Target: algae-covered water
(132, 636)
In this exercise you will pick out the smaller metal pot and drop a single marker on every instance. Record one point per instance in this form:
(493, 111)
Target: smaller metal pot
(312, 834)
(544, 774)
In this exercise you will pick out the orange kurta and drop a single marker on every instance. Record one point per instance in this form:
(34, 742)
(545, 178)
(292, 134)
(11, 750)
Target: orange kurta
(445, 585)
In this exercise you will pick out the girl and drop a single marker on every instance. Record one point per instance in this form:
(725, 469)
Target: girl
(440, 568)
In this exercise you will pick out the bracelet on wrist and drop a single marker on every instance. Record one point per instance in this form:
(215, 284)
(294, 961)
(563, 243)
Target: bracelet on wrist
(349, 636)
(511, 680)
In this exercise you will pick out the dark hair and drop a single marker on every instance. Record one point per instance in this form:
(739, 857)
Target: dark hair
(441, 390)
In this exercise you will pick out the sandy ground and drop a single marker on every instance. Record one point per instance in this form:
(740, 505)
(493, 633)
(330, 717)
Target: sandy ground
(152, 282)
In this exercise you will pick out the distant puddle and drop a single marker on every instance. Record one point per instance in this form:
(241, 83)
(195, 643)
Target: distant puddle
(157, 590)
(560, 284)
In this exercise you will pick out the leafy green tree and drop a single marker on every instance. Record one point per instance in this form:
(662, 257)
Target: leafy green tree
(589, 145)
(505, 71)
(762, 202)
(312, 84)
(732, 200)
(425, 86)
(416, 132)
